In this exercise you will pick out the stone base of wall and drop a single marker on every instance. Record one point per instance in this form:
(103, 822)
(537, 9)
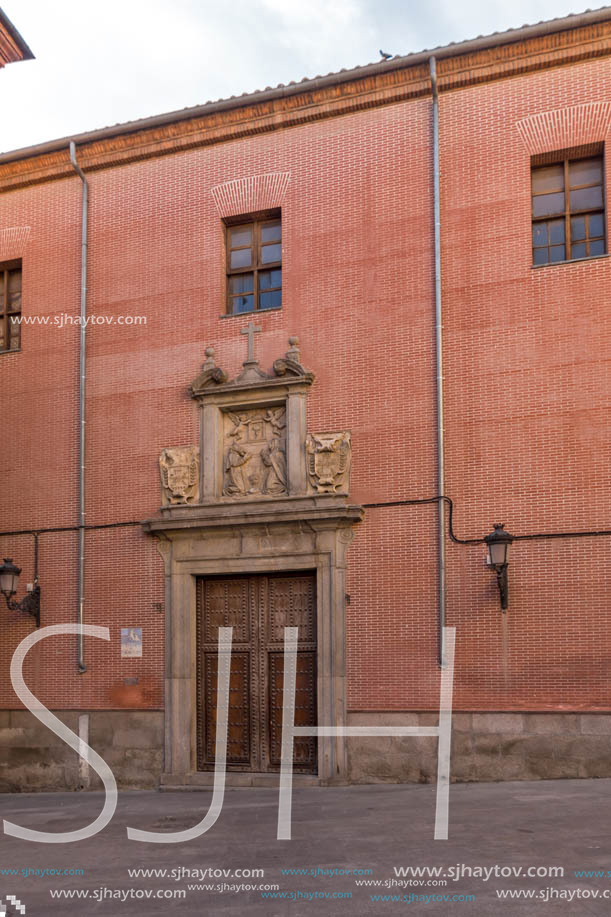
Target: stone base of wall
(485, 746)
(33, 759)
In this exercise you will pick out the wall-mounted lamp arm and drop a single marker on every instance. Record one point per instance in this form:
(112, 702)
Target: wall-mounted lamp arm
(503, 583)
(29, 605)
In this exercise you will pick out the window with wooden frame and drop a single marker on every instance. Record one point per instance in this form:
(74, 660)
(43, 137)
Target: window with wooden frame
(10, 306)
(568, 209)
(254, 263)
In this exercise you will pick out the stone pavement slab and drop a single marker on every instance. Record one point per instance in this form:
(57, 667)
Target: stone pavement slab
(363, 833)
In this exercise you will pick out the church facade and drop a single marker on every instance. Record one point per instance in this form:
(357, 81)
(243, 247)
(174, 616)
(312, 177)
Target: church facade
(285, 360)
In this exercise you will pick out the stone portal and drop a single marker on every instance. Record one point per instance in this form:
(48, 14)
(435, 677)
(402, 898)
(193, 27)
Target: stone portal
(259, 537)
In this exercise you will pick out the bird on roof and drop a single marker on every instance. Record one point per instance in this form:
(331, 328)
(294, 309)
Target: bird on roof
(384, 55)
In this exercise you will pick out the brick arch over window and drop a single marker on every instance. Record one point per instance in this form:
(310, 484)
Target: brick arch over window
(251, 194)
(565, 128)
(13, 242)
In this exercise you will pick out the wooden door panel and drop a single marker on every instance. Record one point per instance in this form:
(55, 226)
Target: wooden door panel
(226, 604)
(304, 747)
(258, 608)
(238, 724)
(291, 604)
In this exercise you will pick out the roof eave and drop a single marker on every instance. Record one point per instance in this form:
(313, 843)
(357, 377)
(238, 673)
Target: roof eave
(457, 49)
(25, 53)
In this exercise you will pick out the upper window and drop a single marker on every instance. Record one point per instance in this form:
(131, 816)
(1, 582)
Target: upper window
(254, 265)
(568, 210)
(10, 306)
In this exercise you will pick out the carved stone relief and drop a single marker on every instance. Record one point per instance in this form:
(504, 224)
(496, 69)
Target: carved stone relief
(254, 452)
(211, 374)
(179, 467)
(328, 458)
(253, 438)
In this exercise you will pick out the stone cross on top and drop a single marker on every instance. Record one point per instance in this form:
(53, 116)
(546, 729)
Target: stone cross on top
(251, 329)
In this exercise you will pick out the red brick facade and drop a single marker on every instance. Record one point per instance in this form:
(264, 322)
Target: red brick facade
(525, 352)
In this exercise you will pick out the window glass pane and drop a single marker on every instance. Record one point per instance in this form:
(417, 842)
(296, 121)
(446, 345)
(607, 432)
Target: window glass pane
(586, 197)
(270, 253)
(596, 225)
(598, 247)
(546, 204)
(548, 178)
(270, 279)
(578, 228)
(556, 253)
(14, 280)
(254, 245)
(14, 291)
(14, 335)
(241, 258)
(241, 283)
(243, 303)
(241, 235)
(578, 250)
(540, 234)
(556, 231)
(585, 172)
(271, 300)
(2, 344)
(271, 232)
(540, 256)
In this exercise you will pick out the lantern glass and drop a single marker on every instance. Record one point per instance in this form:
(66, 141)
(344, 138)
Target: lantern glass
(498, 552)
(9, 577)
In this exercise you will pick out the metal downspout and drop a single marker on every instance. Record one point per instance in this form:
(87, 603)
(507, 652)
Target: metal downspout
(441, 546)
(82, 416)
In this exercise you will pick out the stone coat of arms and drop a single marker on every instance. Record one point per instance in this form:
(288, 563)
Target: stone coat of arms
(328, 461)
(179, 467)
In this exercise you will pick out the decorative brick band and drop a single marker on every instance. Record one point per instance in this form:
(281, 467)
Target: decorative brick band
(565, 127)
(248, 195)
(318, 99)
(13, 241)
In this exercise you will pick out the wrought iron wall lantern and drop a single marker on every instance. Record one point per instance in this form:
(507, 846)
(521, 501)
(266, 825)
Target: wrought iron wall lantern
(498, 559)
(9, 579)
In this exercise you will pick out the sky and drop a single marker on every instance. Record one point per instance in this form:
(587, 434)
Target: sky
(105, 63)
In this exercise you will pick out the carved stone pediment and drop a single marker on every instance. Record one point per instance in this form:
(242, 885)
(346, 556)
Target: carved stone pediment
(289, 365)
(179, 467)
(210, 375)
(286, 368)
(253, 443)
